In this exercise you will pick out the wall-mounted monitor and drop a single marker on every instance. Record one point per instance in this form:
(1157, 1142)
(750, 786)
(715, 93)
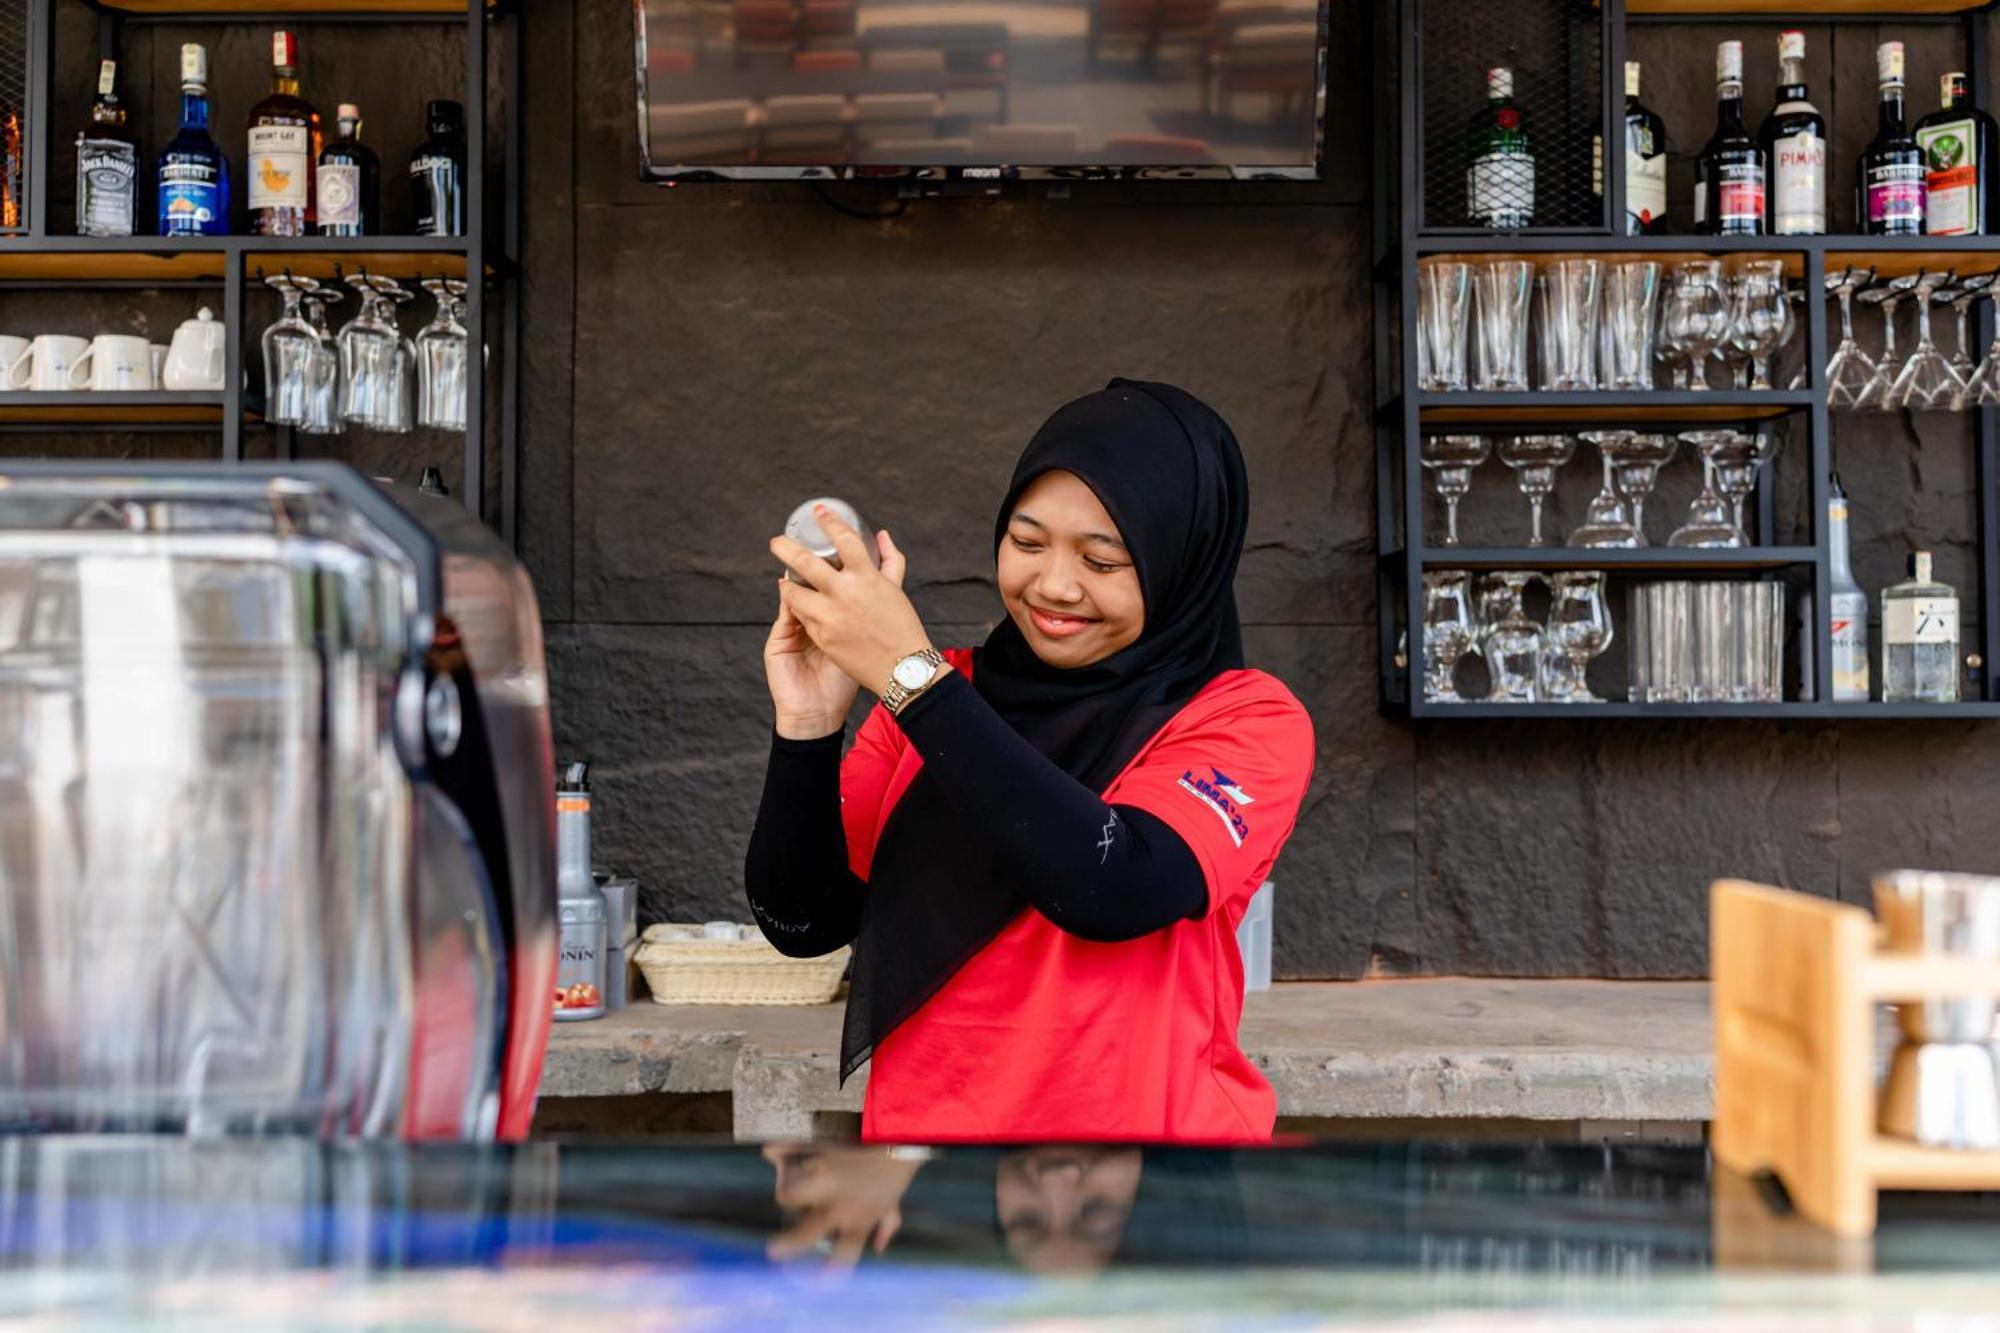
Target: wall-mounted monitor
(789, 89)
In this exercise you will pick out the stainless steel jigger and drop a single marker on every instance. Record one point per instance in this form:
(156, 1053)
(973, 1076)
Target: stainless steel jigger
(804, 529)
(1943, 1088)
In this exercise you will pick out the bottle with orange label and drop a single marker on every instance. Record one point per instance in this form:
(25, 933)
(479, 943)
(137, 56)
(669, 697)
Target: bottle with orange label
(285, 142)
(579, 903)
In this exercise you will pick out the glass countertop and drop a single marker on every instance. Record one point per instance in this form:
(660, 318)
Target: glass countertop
(119, 1232)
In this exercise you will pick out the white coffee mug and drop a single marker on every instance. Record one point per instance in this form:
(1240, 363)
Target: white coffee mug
(45, 365)
(12, 349)
(114, 362)
(159, 351)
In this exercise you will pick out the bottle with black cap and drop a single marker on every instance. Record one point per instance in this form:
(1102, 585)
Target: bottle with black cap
(437, 173)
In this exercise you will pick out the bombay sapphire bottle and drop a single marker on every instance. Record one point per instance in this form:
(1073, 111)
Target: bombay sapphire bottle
(194, 175)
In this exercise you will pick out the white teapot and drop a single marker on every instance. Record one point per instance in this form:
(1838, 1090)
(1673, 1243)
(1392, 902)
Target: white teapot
(194, 361)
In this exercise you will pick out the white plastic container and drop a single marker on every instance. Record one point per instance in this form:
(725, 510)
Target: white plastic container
(1253, 937)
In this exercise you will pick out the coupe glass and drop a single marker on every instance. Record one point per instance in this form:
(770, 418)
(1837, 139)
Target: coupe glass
(323, 374)
(1448, 631)
(1758, 319)
(1450, 459)
(1608, 522)
(1927, 382)
(1579, 629)
(1708, 522)
(1503, 287)
(289, 347)
(1850, 369)
(1444, 295)
(1696, 316)
(1535, 459)
(1736, 464)
(1637, 462)
(1512, 643)
(441, 359)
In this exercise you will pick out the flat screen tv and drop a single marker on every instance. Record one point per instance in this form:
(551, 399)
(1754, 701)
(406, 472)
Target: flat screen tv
(981, 89)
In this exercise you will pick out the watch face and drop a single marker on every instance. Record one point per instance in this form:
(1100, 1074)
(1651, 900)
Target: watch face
(912, 672)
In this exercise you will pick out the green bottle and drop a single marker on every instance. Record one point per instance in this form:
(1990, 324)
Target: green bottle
(1500, 177)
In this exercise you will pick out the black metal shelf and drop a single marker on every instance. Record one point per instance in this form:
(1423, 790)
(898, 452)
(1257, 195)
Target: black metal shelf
(1662, 559)
(1969, 711)
(1653, 407)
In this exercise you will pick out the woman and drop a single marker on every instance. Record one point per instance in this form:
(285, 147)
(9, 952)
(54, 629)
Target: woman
(1041, 848)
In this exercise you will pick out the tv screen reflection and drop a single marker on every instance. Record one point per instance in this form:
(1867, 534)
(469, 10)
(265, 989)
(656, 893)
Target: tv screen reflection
(776, 87)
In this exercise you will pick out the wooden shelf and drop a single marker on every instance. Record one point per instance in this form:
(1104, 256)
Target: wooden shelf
(1933, 258)
(142, 259)
(1899, 1165)
(164, 265)
(111, 409)
(280, 8)
(1656, 558)
(1889, 976)
(327, 264)
(1659, 407)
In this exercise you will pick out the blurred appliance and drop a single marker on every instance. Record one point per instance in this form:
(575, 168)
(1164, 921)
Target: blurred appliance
(276, 819)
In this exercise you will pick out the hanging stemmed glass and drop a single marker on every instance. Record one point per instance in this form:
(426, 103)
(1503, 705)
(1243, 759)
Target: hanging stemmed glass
(1697, 316)
(1708, 522)
(323, 375)
(1450, 459)
(1875, 395)
(1758, 318)
(441, 359)
(369, 353)
(1926, 383)
(1969, 290)
(1850, 369)
(1982, 389)
(289, 345)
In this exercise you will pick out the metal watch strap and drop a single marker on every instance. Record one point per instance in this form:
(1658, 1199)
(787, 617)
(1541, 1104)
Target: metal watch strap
(895, 696)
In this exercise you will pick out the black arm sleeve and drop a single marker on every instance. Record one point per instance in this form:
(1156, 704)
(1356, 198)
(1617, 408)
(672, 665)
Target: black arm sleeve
(801, 890)
(1099, 871)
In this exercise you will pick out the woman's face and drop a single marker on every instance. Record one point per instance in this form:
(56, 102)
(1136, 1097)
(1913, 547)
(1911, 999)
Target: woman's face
(1064, 1209)
(1065, 576)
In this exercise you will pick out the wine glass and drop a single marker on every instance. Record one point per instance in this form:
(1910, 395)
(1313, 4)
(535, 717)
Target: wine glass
(322, 415)
(1757, 322)
(1850, 369)
(441, 359)
(1448, 632)
(1982, 388)
(1696, 316)
(1708, 522)
(1875, 395)
(1450, 459)
(289, 344)
(1608, 522)
(1579, 629)
(1927, 381)
(1535, 459)
(1961, 297)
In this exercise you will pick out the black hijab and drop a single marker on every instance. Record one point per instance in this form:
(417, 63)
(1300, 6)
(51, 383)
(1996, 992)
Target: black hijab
(1167, 470)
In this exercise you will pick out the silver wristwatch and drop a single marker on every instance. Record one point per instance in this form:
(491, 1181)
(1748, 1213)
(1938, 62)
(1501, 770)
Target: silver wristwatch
(911, 677)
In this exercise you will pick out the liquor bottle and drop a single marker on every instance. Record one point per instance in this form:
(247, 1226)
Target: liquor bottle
(1500, 177)
(1920, 638)
(13, 168)
(1890, 179)
(193, 173)
(1794, 143)
(284, 141)
(437, 173)
(1847, 607)
(1645, 163)
(1958, 143)
(1729, 179)
(107, 164)
(350, 181)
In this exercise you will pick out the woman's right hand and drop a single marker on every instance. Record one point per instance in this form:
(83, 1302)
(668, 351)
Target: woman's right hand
(809, 694)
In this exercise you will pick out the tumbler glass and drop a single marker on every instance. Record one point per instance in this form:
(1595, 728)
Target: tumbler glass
(1638, 642)
(1569, 318)
(1632, 298)
(1444, 296)
(1502, 287)
(1668, 643)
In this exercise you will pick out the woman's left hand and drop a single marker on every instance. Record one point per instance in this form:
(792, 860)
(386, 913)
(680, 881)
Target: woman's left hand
(857, 614)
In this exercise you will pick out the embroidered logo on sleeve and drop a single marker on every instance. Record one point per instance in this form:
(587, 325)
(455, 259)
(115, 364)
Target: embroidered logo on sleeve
(1224, 796)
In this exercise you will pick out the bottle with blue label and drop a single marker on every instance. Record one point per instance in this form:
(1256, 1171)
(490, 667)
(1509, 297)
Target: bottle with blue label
(194, 174)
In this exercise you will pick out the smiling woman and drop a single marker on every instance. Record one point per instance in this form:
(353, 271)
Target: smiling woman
(1041, 847)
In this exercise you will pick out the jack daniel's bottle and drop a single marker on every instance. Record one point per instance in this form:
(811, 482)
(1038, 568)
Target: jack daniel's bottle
(107, 164)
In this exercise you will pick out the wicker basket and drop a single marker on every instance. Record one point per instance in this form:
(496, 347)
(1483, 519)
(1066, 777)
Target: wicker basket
(699, 971)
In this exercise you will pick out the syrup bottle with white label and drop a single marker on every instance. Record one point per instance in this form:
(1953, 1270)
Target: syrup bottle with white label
(1794, 143)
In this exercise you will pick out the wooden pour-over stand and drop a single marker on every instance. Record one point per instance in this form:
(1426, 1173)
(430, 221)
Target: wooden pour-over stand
(1796, 982)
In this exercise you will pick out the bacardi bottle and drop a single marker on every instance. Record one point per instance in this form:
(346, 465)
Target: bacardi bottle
(284, 141)
(1847, 607)
(193, 173)
(350, 181)
(1920, 638)
(1729, 185)
(107, 164)
(1794, 143)
(1890, 180)
(1958, 143)
(1500, 175)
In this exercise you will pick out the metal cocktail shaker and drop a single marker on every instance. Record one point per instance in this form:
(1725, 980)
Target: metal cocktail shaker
(1943, 1087)
(804, 529)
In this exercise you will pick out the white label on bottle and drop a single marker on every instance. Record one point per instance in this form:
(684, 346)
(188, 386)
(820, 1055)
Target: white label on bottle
(1951, 178)
(1700, 203)
(1502, 185)
(339, 194)
(1920, 620)
(1646, 186)
(1798, 163)
(280, 157)
(1850, 646)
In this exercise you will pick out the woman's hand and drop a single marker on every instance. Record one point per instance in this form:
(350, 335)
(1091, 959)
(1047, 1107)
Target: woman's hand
(838, 1200)
(856, 615)
(810, 695)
